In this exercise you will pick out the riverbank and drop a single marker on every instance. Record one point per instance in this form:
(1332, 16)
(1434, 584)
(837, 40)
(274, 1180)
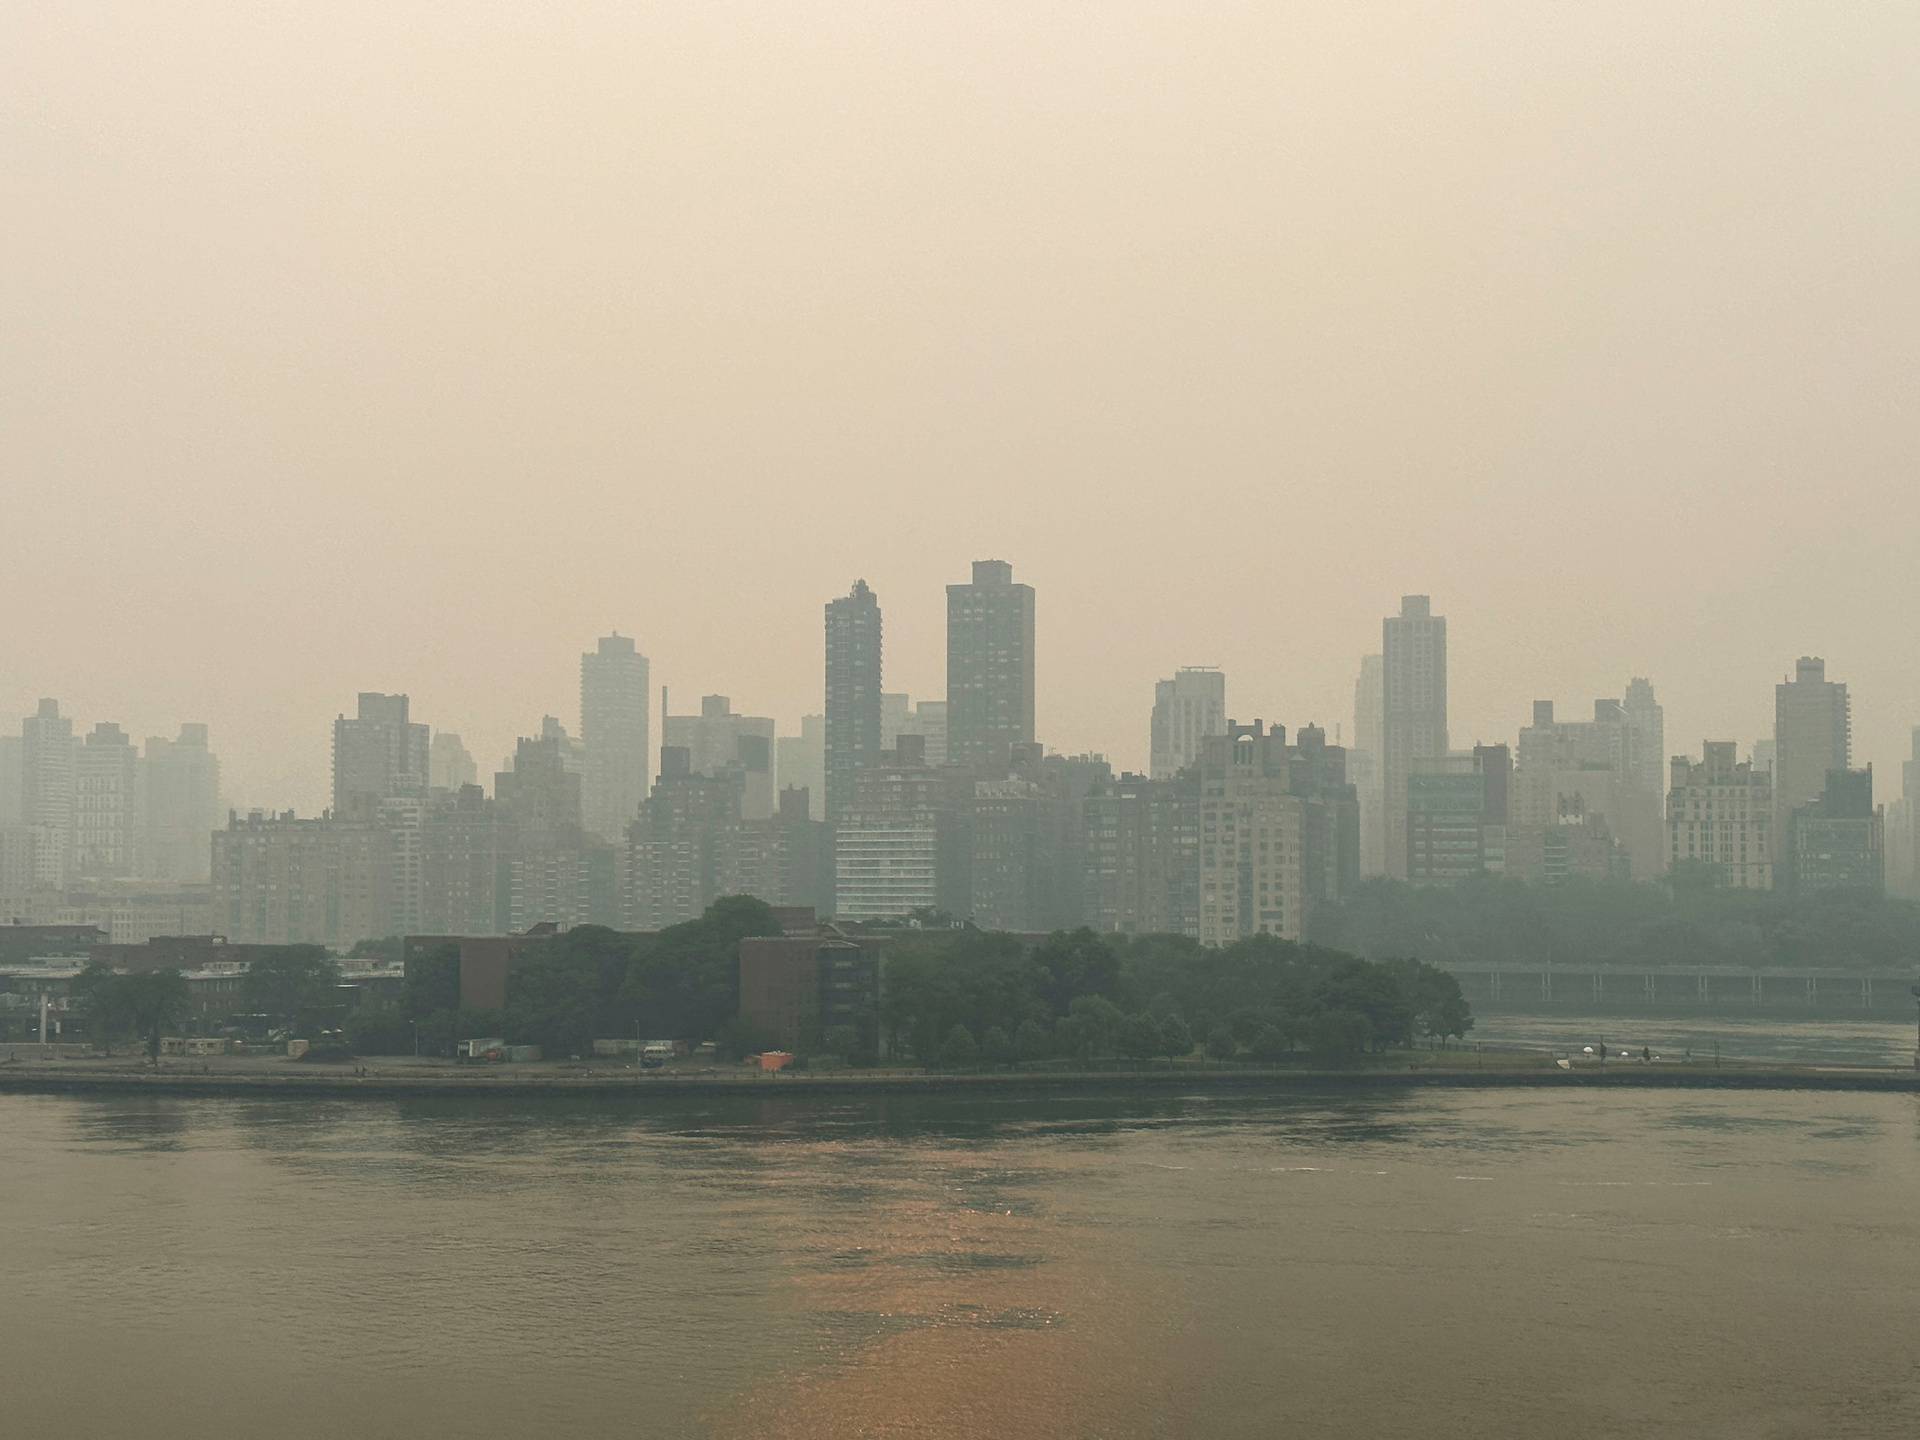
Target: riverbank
(289, 1081)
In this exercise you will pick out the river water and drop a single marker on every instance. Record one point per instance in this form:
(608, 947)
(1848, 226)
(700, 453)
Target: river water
(1776, 1040)
(1457, 1263)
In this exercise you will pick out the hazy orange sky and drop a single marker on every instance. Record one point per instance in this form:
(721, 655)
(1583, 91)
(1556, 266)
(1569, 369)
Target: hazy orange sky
(410, 346)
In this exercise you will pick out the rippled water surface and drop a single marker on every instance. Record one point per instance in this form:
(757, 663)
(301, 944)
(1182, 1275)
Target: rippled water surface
(1430, 1264)
(1774, 1039)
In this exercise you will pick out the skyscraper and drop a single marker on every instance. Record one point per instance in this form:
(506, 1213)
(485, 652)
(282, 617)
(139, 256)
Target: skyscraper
(278, 880)
(1647, 775)
(1837, 842)
(12, 774)
(1279, 831)
(183, 804)
(930, 724)
(107, 805)
(1647, 760)
(1186, 710)
(896, 714)
(1903, 830)
(463, 837)
(800, 763)
(1413, 708)
(1813, 734)
(541, 790)
(718, 738)
(1143, 855)
(1580, 775)
(1457, 812)
(888, 841)
(46, 792)
(449, 766)
(990, 673)
(614, 696)
(379, 753)
(853, 692)
(1720, 815)
(1365, 762)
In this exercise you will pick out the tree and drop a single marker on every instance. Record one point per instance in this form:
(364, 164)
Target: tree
(291, 981)
(1245, 1024)
(154, 1000)
(106, 1002)
(1221, 1044)
(1176, 1039)
(379, 1028)
(144, 1004)
(685, 981)
(1433, 996)
(997, 1046)
(1075, 964)
(1696, 875)
(1163, 1005)
(1092, 1023)
(1270, 1046)
(1452, 1018)
(735, 1039)
(1031, 1041)
(1336, 1036)
(432, 982)
(1371, 991)
(553, 1001)
(1139, 1037)
(959, 1048)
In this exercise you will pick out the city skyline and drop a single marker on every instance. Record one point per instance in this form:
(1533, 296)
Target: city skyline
(692, 680)
(688, 385)
(304, 782)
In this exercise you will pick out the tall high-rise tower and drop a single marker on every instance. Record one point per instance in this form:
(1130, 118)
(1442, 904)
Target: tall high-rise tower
(449, 765)
(1414, 710)
(719, 739)
(12, 777)
(1812, 733)
(853, 692)
(1903, 830)
(1365, 760)
(48, 753)
(183, 804)
(989, 666)
(614, 699)
(108, 800)
(376, 755)
(1648, 762)
(1186, 710)
(1648, 774)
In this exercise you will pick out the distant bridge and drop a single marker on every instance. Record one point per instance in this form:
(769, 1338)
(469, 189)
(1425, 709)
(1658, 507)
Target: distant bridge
(1700, 989)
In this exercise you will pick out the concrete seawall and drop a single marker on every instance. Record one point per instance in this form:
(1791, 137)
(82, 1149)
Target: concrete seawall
(56, 1079)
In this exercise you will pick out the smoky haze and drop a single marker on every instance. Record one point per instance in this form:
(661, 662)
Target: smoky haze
(353, 346)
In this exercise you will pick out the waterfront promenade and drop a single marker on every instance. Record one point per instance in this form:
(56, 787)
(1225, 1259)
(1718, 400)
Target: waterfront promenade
(269, 1077)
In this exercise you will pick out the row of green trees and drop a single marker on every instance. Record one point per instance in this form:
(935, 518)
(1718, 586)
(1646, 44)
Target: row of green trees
(587, 983)
(1690, 921)
(949, 996)
(967, 996)
(296, 985)
(141, 1006)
